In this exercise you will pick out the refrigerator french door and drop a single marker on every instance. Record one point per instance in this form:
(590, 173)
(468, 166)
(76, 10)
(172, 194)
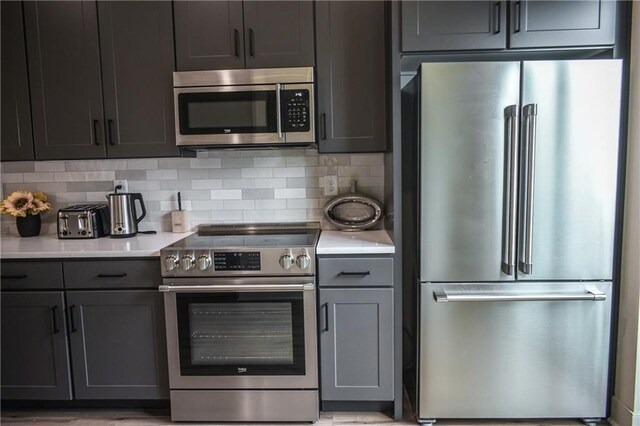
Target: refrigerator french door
(518, 168)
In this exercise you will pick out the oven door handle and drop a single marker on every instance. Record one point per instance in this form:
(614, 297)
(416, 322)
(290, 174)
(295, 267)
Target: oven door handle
(240, 288)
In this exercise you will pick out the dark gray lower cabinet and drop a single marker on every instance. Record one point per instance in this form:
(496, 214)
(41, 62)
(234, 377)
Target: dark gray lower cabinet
(118, 344)
(352, 90)
(35, 358)
(356, 344)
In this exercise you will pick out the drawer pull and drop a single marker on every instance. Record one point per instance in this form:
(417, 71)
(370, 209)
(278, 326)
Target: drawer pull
(357, 274)
(112, 275)
(13, 277)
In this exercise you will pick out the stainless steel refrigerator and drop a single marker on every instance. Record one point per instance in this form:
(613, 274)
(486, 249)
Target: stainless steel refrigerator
(515, 209)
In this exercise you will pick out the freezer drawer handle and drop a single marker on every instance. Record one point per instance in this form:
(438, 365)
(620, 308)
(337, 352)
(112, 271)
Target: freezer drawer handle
(441, 296)
(234, 288)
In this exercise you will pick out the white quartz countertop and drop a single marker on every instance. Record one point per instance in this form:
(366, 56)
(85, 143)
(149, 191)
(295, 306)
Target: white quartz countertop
(49, 246)
(363, 242)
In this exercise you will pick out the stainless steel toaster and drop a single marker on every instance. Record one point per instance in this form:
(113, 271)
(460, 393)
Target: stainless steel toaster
(83, 221)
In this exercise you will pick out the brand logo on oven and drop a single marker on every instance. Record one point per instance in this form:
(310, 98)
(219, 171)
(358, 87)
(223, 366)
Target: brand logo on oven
(227, 130)
(242, 369)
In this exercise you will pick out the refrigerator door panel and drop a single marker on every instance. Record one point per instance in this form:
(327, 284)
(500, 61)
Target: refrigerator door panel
(572, 130)
(535, 350)
(466, 134)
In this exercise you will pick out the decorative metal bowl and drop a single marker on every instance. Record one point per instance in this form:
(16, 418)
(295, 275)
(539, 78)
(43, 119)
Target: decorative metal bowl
(353, 211)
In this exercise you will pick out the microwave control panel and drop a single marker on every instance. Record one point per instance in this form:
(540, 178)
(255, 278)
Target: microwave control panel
(296, 110)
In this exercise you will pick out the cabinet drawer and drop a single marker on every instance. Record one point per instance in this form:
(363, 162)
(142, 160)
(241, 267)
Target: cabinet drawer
(112, 274)
(355, 272)
(31, 275)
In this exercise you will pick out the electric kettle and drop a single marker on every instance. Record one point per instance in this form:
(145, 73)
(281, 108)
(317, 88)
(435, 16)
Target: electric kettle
(124, 215)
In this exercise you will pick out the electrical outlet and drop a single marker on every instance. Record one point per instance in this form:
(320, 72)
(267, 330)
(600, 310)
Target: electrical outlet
(123, 183)
(331, 185)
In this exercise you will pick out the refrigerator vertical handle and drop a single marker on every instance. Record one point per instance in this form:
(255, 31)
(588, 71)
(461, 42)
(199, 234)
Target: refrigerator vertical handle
(510, 192)
(529, 113)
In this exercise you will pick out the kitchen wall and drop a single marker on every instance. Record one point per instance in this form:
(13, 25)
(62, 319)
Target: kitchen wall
(625, 406)
(216, 187)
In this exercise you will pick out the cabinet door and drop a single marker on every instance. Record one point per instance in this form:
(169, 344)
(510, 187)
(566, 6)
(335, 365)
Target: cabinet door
(351, 76)
(278, 34)
(209, 35)
(118, 345)
(356, 344)
(64, 74)
(137, 64)
(16, 142)
(35, 358)
(562, 23)
(453, 25)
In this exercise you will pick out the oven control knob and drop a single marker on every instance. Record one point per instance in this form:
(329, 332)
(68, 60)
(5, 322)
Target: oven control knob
(286, 261)
(171, 262)
(187, 262)
(204, 262)
(303, 261)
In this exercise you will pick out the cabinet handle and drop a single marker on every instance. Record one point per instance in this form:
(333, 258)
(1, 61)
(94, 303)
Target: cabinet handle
(96, 129)
(325, 317)
(110, 131)
(13, 277)
(252, 43)
(496, 17)
(323, 126)
(112, 275)
(360, 274)
(72, 319)
(236, 41)
(518, 14)
(54, 319)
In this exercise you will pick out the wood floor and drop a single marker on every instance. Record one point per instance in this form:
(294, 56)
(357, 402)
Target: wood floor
(105, 417)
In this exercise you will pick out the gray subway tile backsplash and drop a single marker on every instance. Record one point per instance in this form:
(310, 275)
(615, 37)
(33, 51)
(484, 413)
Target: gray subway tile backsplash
(218, 187)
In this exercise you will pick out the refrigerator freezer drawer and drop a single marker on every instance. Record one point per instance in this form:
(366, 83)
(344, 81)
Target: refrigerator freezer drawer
(526, 350)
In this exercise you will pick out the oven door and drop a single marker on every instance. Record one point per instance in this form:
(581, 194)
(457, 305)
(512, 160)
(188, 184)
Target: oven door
(257, 333)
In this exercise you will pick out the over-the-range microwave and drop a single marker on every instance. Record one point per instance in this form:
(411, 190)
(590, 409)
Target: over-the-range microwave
(244, 108)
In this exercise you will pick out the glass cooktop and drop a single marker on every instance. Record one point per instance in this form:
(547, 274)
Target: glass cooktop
(248, 236)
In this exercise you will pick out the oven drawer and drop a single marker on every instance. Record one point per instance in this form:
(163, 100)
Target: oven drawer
(355, 272)
(112, 274)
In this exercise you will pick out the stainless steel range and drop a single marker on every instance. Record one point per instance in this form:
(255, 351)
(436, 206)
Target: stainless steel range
(241, 323)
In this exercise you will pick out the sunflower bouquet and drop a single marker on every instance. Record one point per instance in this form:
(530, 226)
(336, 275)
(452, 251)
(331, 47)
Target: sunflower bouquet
(22, 203)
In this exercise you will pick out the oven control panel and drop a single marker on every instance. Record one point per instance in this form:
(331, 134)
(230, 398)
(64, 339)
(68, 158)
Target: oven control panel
(179, 262)
(236, 261)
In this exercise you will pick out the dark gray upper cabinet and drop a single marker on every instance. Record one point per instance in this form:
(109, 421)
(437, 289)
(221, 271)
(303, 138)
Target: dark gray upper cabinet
(136, 40)
(474, 25)
(351, 76)
(233, 34)
(453, 25)
(209, 35)
(278, 34)
(64, 75)
(35, 360)
(562, 23)
(118, 344)
(16, 139)
(356, 344)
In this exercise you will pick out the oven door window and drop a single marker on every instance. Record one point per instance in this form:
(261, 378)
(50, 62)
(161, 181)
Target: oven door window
(227, 112)
(241, 334)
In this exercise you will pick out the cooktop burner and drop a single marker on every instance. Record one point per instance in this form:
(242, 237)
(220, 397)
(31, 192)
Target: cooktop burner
(256, 249)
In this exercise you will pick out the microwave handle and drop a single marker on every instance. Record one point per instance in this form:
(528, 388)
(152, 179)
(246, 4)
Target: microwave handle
(279, 110)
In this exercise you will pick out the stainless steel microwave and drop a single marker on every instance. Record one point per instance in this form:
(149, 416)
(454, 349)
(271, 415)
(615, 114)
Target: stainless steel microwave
(244, 108)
